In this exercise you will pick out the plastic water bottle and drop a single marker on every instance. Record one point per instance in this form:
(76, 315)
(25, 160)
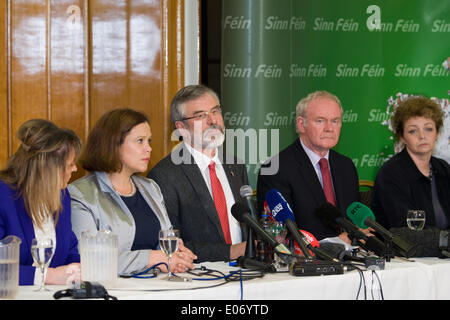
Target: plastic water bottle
(265, 250)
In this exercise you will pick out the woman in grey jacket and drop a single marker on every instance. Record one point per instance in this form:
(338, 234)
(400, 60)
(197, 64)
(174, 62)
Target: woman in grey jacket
(113, 196)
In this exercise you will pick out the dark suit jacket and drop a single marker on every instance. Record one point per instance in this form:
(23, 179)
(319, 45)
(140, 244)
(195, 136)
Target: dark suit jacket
(190, 205)
(297, 181)
(400, 186)
(14, 220)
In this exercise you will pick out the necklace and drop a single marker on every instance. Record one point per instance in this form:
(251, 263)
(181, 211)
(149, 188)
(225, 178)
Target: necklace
(133, 190)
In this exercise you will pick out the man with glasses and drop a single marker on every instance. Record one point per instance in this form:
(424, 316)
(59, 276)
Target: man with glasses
(198, 186)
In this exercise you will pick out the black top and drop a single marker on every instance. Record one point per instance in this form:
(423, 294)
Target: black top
(147, 224)
(400, 186)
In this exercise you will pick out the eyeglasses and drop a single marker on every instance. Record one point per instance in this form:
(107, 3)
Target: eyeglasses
(202, 115)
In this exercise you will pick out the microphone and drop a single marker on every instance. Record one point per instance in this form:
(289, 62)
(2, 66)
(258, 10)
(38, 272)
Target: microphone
(363, 217)
(431, 241)
(282, 212)
(247, 192)
(248, 263)
(241, 214)
(339, 251)
(333, 217)
(310, 238)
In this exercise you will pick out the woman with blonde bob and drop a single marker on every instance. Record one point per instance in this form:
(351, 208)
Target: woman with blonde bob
(34, 201)
(414, 178)
(113, 196)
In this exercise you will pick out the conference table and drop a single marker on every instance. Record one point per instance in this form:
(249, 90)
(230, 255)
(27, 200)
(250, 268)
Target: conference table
(418, 278)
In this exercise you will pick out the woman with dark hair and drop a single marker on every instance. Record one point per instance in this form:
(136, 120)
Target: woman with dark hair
(34, 201)
(113, 196)
(413, 178)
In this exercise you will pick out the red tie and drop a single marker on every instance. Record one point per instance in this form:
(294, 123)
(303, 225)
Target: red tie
(219, 202)
(326, 179)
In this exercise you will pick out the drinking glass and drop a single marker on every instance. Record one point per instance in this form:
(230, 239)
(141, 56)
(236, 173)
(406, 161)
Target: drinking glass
(42, 252)
(168, 241)
(415, 219)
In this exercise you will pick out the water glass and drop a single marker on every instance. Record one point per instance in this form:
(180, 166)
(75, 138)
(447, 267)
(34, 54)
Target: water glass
(169, 241)
(42, 251)
(415, 219)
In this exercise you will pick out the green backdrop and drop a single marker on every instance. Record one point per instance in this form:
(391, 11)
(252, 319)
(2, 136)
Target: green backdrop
(275, 52)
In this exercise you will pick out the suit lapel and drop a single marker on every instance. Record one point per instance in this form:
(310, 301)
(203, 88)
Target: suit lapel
(232, 180)
(195, 178)
(230, 168)
(308, 173)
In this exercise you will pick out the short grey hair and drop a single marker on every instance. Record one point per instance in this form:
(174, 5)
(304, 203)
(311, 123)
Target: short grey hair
(188, 93)
(303, 103)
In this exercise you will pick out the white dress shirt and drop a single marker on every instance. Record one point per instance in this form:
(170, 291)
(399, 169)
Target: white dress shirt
(203, 162)
(315, 158)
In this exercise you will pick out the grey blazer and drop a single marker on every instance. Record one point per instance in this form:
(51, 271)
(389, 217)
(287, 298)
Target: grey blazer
(97, 206)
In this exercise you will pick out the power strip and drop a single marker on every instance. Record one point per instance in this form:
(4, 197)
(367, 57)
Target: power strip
(315, 268)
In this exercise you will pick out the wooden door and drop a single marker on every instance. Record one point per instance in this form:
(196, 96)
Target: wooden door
(70, 61)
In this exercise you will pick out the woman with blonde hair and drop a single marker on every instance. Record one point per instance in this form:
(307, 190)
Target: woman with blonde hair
(34, 201)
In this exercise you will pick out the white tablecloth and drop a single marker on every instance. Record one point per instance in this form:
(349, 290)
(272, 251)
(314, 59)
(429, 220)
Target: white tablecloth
(423, 278)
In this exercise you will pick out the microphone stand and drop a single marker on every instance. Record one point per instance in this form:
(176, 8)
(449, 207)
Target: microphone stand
(388, 254)
(250, 246)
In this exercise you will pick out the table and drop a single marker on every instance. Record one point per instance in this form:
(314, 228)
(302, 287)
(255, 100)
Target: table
(421, 278)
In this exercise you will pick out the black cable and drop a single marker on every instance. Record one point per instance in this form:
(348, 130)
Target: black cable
(214, 274)
(144, 274)
(206, 272)
(361, 281)
(379, 282)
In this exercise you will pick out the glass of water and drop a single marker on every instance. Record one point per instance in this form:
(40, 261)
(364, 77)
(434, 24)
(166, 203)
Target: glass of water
(42, 252)
(415, 219)
(168, 241)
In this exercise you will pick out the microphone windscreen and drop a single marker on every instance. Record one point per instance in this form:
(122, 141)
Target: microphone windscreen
(327, 214)
(246, 191)
(358, 213)
(248, 263)
(238, 209)
(427, 240)
(333, 249)
(310, 238)
(281, 211)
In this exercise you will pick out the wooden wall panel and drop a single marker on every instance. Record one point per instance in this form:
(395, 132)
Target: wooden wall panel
(4, 104)
(172, 66)
(68, 65)
(70, 61)
(28, 63)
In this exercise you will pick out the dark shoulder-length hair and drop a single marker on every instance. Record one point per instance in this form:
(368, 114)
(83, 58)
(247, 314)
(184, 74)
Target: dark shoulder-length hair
(101, 152)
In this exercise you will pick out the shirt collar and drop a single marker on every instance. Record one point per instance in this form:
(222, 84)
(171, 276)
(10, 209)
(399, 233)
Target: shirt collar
(201, 159)
(313, 157)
